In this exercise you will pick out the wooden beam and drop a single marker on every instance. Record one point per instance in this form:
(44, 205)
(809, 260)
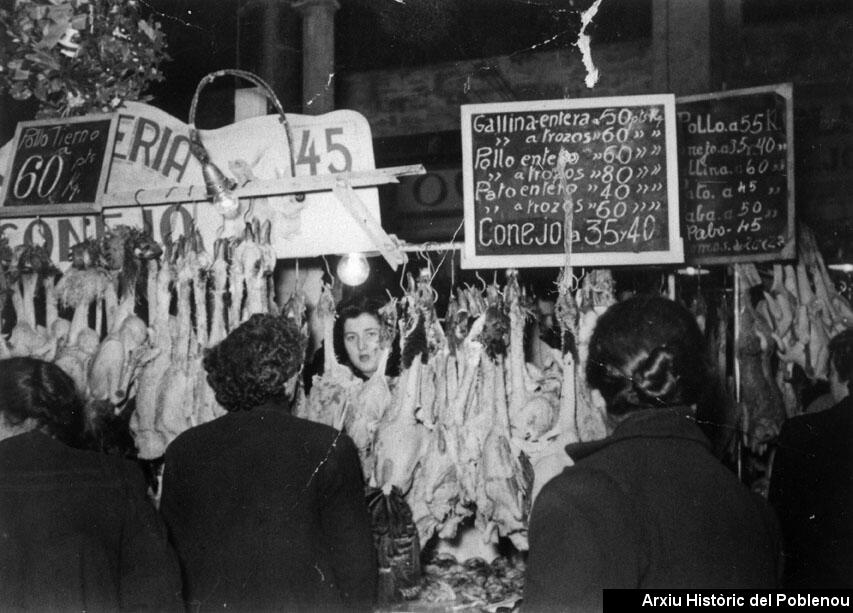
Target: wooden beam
(252, 189)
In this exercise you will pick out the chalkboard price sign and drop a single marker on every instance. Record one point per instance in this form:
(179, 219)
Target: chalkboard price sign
(736, 156)
(596, 174)
(58, 166)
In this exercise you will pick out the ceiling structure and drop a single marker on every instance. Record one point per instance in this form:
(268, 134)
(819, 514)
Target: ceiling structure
(205, 35)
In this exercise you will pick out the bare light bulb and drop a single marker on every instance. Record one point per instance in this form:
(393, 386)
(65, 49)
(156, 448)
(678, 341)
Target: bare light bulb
(227, 204)
(353, 269)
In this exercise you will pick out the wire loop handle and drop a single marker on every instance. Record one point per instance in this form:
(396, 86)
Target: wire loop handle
(202, 155)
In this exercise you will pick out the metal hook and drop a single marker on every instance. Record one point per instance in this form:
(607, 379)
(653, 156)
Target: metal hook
(40, 224)
(481, 280)
(577, 278)
(249, 210)
(402, 282)
(328, 269)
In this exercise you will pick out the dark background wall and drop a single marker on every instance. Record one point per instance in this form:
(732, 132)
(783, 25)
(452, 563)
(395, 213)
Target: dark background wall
(408, 66)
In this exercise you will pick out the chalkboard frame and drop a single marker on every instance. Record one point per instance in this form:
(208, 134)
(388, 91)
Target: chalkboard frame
(79, 207)
(673, 255)
(788, 250)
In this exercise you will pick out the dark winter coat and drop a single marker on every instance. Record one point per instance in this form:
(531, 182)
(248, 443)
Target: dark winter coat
(77, 532)
(648, 507)
(812, 490)
(267, 511)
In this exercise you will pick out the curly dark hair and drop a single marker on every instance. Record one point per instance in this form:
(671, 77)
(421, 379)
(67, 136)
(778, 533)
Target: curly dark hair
(31, 388)
(647, 352)
(253, 363)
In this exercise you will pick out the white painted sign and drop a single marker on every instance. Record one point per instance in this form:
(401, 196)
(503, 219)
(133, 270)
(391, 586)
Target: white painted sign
(152, 153)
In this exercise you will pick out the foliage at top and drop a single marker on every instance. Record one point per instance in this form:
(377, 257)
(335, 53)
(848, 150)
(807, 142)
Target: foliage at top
(79, 56)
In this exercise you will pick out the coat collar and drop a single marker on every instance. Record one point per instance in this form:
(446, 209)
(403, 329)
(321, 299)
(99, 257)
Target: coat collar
(671, 423)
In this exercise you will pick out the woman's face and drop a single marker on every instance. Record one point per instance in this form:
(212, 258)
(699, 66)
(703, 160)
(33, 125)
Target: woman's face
(362, 342)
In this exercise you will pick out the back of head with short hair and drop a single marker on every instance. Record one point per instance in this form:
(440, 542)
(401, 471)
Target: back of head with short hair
(255, 361)
(39, 390)
(647, 352)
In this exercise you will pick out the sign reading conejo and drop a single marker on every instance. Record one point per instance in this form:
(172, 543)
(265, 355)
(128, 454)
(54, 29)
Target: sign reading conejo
(598, 175)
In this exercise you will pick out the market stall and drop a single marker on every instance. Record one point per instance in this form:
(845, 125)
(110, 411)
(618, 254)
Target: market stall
(131, 241)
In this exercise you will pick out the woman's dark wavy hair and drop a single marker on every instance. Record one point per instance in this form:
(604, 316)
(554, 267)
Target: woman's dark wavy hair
(647, 352)
(351, 309)
(253, 363)
(31, 388)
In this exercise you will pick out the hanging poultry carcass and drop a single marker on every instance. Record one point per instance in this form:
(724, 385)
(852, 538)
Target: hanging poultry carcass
(83, 284)
(207, 330)
(594, 297)
(761, 401)
(252, 261)
(125, 253)
(837, 311)
(444, 485)
(29, 265)
(566, 311)
(207, 408)
(444, 490)
(533, 413)
(176, 396)
(150, 442)
(468, 427)
(219, 274)
(548, 457)
(330, 391)
(805, 312)
(256, 263)
(487, 339)
(505, 475)
(401, 439)
(6, 256)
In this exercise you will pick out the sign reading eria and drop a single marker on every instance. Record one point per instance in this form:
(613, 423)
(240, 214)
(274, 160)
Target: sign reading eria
(594, 177)
(59, 189)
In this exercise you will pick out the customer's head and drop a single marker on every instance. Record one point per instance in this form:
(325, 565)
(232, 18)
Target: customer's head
(35, 394)
(647, 352)
(841, 364)
(257, 362)
(359, 335)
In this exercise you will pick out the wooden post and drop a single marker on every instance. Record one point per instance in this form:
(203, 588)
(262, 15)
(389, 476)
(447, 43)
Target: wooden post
(687, 45)
(736, 364)
(318, 53)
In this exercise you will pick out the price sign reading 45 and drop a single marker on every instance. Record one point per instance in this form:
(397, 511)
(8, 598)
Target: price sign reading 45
(322, 150)
(58, 166)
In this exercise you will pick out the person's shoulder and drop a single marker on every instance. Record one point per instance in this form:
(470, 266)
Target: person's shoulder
(583, 479)
(85, 465)
(313, 430)
(200, 435)
(815, 425)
